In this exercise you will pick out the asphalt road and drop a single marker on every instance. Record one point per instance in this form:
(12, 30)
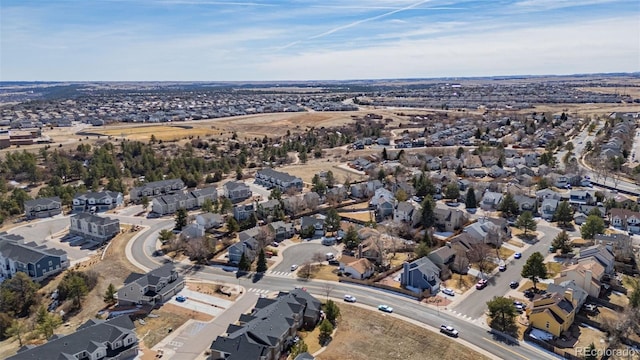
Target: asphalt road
(474, 303)
(300, 254)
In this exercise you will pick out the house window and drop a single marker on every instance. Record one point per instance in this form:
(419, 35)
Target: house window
(50, 263)
(547, 325)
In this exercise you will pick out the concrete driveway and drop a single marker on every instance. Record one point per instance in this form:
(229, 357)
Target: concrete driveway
(203, 303)
(301, 253)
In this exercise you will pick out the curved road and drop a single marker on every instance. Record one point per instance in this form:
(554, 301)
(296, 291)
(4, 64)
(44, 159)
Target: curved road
(142, 246)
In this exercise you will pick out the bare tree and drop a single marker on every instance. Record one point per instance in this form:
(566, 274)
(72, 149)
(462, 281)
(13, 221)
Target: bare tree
(318, 257)
(305, 270)
(312, 203)
(479, 255)
(328, 288)
(197, 249)
(265, 236)
(296, 204)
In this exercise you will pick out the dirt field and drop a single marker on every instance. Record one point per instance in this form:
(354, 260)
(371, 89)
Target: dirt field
(633, 91)
(312, 167)
(161, 132)
(169, 317)
(460, 285)
(362, 216)
(364, 335)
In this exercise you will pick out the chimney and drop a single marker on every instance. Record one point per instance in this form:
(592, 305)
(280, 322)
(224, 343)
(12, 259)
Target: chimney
(587, 280)
(568, 294)
(360, 251)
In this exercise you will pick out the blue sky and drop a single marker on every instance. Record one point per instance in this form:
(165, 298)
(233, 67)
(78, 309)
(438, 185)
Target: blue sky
(235, 40)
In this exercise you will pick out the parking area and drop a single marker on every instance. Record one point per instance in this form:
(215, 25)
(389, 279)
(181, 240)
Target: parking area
(203, 303)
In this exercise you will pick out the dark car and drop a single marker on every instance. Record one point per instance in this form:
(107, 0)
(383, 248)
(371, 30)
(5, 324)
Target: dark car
(529, 293)
(334, 262)
(514, 284)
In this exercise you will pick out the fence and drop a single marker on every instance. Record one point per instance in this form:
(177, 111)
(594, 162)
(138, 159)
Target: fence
(605, 303)
(418, 296)
(549, 347)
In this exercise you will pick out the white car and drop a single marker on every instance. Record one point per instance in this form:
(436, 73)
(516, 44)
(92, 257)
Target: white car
(447, 291)
(449, 330)
(350, 298)
(294, 267)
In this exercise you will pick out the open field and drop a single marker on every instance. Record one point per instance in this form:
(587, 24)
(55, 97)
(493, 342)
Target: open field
(460, 283)
(161, 132)
(364, 334)
(170, 317)
(361, 215)
(553, 268)
(633, 91)
(312, 167)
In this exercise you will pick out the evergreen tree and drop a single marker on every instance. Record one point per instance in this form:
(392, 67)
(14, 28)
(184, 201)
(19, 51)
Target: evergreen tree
(563, 214)
(261, 266)
(384, 154)
(244, 264)
(534, 269)
(110, 295)
(561, 242)
(526, 222)
(232, 225)
(452, 191)
(351, 239)
(592, 226)
(332, 220)
(332, 311)
(181, 218)
(508, 206)
(470, 200)
(428, 217)
(207, 205)
(326, 329)
(502, 313)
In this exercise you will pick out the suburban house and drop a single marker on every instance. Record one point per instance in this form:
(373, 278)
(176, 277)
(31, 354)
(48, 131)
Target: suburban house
(619, 244)
(586, 275)
(408, 212)
(625, 219)
(37, 261)
(92, 227)
(601, 254)
(169, 204)
(267, 209)
(236, 191)
(548, 209)
(363, 190)
(547, 194)
(490, 201)
(270, 178)
(156, 188)
(486, 231)
(579, 294)
(242, 212)
(192, 231)
(282, 230)
(42, 207)
(449, 219)
(360, 268)
(581, 197)
(210, 220)
(526, 203)
(248, 245)
(152, 288)
(269, 329)
(552, 312)
(421, 275)
(97, 201)
(579, 218)
(384, 202)
(310, 221)
(444, 257)
(95, 339)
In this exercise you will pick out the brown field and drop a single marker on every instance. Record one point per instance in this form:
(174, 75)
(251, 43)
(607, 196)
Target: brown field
(308, 170)
(362, 216)
(161, 132)
(553, 269)
(364, 334)
(169, 317)
(633, 91)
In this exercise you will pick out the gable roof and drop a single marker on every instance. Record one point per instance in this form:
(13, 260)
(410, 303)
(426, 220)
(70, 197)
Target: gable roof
(13, 247)
(44, 201)
(95, 219)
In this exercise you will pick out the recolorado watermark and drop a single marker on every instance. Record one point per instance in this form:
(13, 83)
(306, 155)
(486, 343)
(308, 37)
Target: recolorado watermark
(587, 351)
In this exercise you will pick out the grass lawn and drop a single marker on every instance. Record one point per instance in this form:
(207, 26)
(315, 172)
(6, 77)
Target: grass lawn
(362, 216)
(517, 243)
(169, 317)
(505, 253)
(364, 334)
(580, 242)
(311, 339)
(587, 336)
(460, 283)
(629, 282)
(553, 268)
(528, 284)
(361, 206)
(321, 272)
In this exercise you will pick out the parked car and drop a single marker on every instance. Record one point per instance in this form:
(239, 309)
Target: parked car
(334, 262)
(502, 267)
(447, 291)
(529, 294)
(517, 255)
(275, 244)
(385, 308)
(181, 298)
(449, 330)
(514, 284)
(294, 267)
(482, 283)
(350, 298)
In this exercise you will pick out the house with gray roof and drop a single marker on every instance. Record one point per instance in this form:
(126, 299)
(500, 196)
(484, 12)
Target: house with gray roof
(282, 230)
(269, 329)
(601, 253)
(620, 244)
(209, 220)
(490, 200)
(311, 221)
(95, 339)
(526, 203)
(42, 207)
(37, 261)
(236, 191)
(449, 219)
(421, 275)
(486, 231)
(99, 229)
(152, 288)
(248, 245)
(407, 212)
(156, 188)
(270, 179)
(548, 208)
(242, 212)
(268, 208)
(169, 204)
(97, 201)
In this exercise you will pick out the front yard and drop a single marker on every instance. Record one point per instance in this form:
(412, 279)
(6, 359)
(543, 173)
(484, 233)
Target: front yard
(460, 283)
(553, 269)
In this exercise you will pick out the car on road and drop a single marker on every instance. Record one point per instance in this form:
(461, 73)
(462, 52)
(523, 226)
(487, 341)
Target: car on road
(449, 330)
(502, 267)
(294, 267)
(514, 284)
(350, 298)
(447, 291)
(275, 244)
(517, 255)
(181, 298)
(334, 262)
(481, 284)
(385, 308)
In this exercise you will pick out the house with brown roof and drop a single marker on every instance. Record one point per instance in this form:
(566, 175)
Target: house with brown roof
(625, 219)
(552, 312)
(585, 274)
(360, 268)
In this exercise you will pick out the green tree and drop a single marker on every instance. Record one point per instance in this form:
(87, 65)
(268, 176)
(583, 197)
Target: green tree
(563, 214)
(18, 294)
(502, 313)
(326, 329)
(17, 329)
(385, 156)
(110, 295)
(634, 297)
(244, 264)
(401, 195)
(526, 222)
(543, 183)
(76, 289)
(225, 205)
(276, 194)
(332, 311)
(207, 205)
(452, 191)
(232, 225)
(330, 179)
(166, 235)
(459, 152)
(181, 218)
(459, 170)
(592, 226)
(318, 185)
(428, 217)
(470, 200)
(49, 325)
(299, 348)
(145, 202)
(561, 242)
(332, 220)
(261, 266)
(534, 269)
(508, 206)
(351, 239)
(422, 250)
(591, 353)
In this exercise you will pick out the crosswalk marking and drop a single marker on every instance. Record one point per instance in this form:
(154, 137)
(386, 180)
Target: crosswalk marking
(258, 291)
(279, 273)
(176, 343)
